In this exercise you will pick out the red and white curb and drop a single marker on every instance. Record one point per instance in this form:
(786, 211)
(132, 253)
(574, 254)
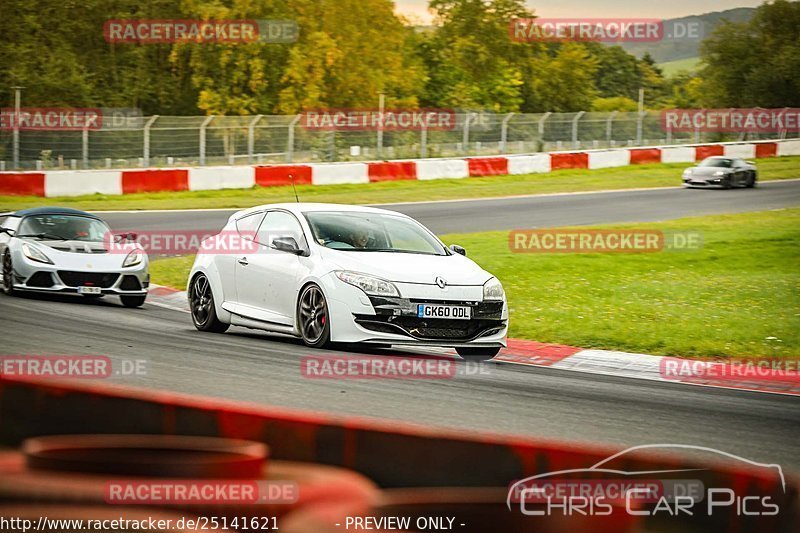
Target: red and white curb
(50, 183)
(698, 372)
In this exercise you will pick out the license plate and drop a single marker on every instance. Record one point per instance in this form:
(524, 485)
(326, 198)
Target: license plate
(451, 312)
(89, 290)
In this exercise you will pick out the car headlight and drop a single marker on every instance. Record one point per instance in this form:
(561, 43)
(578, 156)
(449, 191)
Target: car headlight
(719, 173)
(35, 254)
(687, 172)
(133, 258)
(369, 284)
(493, 290)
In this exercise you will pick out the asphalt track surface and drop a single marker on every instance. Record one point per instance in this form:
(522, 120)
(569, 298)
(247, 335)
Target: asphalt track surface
(547, 211)
(533, 401)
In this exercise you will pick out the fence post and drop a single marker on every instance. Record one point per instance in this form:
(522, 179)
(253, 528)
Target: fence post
(85, 146)
(423, 140)
(541, 126)
(251, 137)
(639, 127)
(609, 126)
(575, 143)
(290, 139)
(146, 150)
(504, 132)
(202, 149)
(465, 140)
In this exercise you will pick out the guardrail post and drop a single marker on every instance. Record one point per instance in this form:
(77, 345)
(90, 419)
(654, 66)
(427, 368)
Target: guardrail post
(290, 139)
(575, 142)
(146, 150)
(85, 146)
(609, 126)
(202, 149)
(465, 140)
(423, 140)
(541, 126)
(504, 132)
(639, 127)
(251, 137)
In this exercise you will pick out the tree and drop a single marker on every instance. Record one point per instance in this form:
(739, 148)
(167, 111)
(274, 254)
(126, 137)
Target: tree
(756, 63)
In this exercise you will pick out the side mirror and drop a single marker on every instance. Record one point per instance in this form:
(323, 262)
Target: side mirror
(130, 237)
(458, 249)
(287, 244)
(6, 231)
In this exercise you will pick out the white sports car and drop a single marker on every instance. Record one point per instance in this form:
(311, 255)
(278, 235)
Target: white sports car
(335, 273)
(56, 249)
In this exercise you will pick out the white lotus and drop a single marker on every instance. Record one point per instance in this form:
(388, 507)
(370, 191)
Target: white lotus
(334, 273)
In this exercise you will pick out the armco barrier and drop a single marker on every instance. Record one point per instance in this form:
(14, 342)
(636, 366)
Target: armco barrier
(564, 160)
(640, 156)
(701, 152)
(73, 183)
(487, 166)
(432, 169)
(529, 164)
(80, 182)
(339, 173)
(22, 183)
(156, 180)
(609, 158)
(214, 178)
(392, 170)
(391, 453)
(273, 175)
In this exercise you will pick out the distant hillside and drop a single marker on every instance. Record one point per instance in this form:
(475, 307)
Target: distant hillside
(671, 50)
(690, 64)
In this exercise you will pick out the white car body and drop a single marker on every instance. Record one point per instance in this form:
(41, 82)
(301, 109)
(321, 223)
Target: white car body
(261, 290)
(68, 265)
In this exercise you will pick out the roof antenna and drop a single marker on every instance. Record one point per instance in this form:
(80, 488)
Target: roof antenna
(296, 199)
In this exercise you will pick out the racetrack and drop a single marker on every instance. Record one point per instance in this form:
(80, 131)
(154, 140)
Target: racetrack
(539, 402)
(572, 209)
(533, 401)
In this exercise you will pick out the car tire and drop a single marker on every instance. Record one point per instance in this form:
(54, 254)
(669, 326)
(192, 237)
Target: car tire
(8, 274)
(133, 301)
(203, 310)
(478, 354)
(313, 318)
(751, 182)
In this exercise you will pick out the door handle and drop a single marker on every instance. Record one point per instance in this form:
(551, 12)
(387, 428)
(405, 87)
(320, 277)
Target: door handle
(243, 261)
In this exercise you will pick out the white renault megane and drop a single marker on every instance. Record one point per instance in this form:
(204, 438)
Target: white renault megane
(335, 273)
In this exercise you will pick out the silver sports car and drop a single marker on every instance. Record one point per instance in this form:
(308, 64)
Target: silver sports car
(724, 172)
(54, 249)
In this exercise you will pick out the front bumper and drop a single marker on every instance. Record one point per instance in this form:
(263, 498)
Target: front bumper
(41, 277)
(715, 183)
(358, 318)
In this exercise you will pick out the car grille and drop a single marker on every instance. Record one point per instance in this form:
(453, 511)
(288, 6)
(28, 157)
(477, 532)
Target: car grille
(40, 279)
(130, 283)
(95, 279)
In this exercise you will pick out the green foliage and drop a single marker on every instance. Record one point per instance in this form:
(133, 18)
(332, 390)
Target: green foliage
(350, 51)
(755, 63)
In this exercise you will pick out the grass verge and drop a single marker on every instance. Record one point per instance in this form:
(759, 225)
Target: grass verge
(738, 296)
(634, 176)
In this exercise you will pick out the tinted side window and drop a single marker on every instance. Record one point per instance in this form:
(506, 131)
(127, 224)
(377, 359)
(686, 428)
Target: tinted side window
(280, 224)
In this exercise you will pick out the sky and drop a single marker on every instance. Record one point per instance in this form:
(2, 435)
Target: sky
(418, 9)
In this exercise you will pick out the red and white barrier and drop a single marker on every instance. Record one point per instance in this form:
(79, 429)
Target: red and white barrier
(52, 183)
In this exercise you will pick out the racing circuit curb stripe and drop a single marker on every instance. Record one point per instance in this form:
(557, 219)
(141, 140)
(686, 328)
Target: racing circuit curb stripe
(564, 357)
(51, 183)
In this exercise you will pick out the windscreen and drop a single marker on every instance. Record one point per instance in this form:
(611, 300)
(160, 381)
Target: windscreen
(63, 227)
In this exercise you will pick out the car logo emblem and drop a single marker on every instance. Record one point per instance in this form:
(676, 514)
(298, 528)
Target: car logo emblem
(440, 282)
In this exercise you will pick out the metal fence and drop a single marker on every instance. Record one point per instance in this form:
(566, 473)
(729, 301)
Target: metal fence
(164, 141)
